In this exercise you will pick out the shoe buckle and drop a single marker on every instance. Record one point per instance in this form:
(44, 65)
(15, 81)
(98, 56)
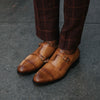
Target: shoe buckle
(66, 59)
(42, 57)
(46, 61)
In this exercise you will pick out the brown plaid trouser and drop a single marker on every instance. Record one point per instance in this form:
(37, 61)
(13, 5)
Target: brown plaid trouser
(47, 21)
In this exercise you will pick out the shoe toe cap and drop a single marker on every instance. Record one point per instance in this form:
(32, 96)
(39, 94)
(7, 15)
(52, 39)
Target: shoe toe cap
(41, 77)
(21, 69)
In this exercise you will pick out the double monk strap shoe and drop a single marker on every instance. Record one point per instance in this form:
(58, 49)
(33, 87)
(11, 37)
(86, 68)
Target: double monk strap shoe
(36, 59)
(56, 67)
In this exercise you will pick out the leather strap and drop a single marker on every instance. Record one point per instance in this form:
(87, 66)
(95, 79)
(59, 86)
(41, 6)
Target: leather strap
(43, 58)
(62, 55)
(40, 56)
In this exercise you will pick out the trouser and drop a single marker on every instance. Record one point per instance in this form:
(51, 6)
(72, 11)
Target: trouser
(47, 21)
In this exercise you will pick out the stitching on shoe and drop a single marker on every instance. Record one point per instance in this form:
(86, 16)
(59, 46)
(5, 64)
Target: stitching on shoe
(31, 63)
(48, 72)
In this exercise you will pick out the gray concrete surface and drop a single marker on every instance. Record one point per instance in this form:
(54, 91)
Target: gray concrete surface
(18, 39)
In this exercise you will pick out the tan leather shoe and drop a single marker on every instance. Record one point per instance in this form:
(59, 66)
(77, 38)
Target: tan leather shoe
(56, 67)
(35, 60)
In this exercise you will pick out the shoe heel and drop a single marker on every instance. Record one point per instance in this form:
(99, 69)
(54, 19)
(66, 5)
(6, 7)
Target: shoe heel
(75, 63)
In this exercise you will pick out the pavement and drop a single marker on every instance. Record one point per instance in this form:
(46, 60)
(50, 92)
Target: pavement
(18, 39)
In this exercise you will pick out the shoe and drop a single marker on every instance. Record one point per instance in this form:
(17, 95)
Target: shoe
(35, 60)
(56, 67)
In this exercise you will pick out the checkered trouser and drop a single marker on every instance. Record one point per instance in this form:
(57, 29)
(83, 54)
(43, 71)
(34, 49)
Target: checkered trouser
(47, 21)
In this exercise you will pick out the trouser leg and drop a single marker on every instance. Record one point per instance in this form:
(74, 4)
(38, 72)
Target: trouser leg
(75, 12)
(47, 19)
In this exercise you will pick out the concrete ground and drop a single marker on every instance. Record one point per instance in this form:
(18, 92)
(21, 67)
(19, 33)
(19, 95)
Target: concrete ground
(18, 39)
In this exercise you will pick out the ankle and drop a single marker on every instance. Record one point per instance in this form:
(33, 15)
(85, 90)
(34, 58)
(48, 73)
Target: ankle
(53, 42)
(68, 52)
